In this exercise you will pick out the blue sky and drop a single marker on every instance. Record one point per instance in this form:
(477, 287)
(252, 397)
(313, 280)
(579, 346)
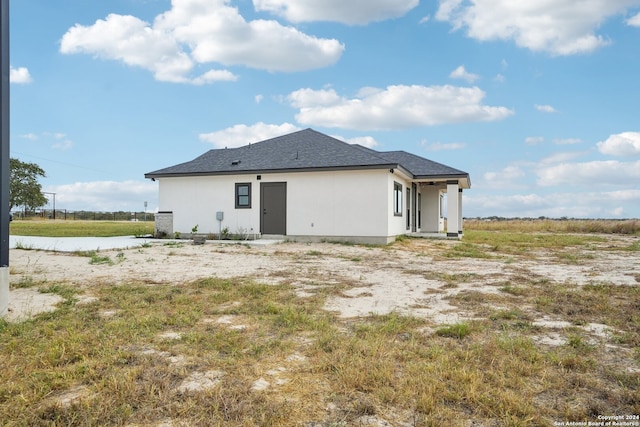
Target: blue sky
(537, 101)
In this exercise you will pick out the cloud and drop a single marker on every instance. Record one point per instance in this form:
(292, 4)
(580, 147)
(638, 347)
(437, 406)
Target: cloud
(567, 141)
(198, 32)
(505, 176)
(623, 144)
(595, 173)
(462, 73)
(365, 141)
(239, 135)
(442, 146)
(545, 108)
(396, 107)
(63, 145)
(19, 75)
(30, 136)
(558, 27)
(634, 21)
(534, 140)
(561, 157)
(57, 140)
(258, 98)
(106, 196)
(352, 12)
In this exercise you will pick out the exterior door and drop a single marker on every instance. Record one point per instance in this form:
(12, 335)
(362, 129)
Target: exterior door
(273, 206)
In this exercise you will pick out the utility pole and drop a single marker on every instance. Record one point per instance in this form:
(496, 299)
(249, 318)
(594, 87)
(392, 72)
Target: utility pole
(4, 157)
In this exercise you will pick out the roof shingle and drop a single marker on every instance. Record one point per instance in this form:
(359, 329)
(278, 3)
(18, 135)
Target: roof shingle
(303, 150)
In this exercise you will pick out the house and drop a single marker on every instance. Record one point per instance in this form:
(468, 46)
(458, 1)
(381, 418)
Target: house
(309, 186)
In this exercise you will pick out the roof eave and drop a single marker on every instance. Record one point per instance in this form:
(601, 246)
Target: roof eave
(463, 179)
(153, 175)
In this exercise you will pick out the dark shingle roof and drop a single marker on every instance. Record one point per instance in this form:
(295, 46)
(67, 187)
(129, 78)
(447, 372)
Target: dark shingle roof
(303, 150)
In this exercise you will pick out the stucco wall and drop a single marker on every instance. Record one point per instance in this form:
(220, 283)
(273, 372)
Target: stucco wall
(325, 204)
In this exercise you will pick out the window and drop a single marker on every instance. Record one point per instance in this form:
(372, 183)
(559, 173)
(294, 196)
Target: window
(243, 196)
(397, 199)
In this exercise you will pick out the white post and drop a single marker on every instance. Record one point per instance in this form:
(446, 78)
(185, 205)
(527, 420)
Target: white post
(460, 226)
(4, 291)
(453, 215)
(4, 157)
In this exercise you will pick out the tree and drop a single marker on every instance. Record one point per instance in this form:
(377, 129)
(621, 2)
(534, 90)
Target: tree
(24, 188)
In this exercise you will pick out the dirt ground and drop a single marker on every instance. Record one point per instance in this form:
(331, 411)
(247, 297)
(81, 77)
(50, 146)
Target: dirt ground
(409, 277)
(429, 279)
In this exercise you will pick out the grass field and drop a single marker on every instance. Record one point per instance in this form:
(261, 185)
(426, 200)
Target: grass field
(61, 228)
(127, 353)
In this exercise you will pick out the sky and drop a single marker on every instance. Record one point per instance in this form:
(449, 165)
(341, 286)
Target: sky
(539, 101)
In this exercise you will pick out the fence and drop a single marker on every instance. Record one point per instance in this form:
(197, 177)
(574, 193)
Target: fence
(64, 214)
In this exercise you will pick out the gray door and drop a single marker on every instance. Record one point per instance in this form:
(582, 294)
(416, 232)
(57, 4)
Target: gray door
(273, 203)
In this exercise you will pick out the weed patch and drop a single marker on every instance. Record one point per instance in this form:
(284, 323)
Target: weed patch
(459, 331)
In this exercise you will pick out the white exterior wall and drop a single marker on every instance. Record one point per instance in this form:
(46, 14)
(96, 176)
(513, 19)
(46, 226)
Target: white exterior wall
(195, 201)
(335, 204)
(397, 224)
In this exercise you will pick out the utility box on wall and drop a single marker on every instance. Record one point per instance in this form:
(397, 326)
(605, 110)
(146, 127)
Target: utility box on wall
(164, 224)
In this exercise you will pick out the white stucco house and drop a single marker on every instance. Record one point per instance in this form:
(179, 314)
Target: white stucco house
(308, 186)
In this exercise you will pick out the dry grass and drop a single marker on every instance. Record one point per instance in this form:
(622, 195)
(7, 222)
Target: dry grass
(125, 358)
(604, 226)
(70, 228)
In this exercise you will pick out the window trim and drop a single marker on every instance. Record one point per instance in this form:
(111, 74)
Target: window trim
(240, 185)
(397, 198)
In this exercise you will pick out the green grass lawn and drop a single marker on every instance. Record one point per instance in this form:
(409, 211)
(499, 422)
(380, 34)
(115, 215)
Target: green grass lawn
(61, 228)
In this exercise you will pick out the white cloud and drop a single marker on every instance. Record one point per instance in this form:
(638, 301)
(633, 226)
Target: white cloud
(634, 21)
(545, 108)
(239, 135)
(622, 144)
(442, 146)
(353, 12)
(505, 176)
(396, 107)
(591, 174)
(63, 145)
(462, 73)
(258, 98)
(365, 141)
(558, 27)
(567, 141)
(425, 19)
(19, 75)
(198, 32)
(30, 136)
(561, 157)
(533, 140)
(107, 196)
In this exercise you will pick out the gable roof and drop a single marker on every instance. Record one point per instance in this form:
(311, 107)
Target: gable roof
(306, 150)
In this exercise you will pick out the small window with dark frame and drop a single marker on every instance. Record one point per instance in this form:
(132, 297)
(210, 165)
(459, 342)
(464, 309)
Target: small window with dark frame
(397, 199)
(243, 195)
